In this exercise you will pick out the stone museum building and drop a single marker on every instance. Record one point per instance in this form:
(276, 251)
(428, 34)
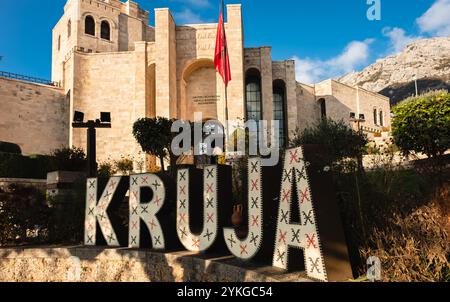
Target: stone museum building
(106, 57)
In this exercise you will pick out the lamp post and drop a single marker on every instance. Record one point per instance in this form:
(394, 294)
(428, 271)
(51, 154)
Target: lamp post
(361, 118)
(91, 126)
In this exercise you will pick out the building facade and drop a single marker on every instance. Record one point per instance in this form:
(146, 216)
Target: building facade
(106, 57)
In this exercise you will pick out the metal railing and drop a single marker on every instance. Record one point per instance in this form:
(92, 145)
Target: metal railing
(10, 75)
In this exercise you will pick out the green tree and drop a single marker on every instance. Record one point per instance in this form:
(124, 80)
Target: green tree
(155, 137)
(339, 140)
(422, 124)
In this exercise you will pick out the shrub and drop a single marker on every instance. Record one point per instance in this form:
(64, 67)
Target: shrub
(339, 140)
(24, 215)
(19, 166)
(124, 165)
(106, 169)
(10, 148)
(69, 159)
(422, 124)
(27, 218)
(37, 166)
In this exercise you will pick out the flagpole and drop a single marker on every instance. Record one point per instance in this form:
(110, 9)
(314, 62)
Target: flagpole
(225, 54)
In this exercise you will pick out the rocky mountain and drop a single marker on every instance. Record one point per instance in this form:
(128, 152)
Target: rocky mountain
(393, 76)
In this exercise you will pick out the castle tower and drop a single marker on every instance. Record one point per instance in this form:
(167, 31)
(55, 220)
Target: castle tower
(95, 26)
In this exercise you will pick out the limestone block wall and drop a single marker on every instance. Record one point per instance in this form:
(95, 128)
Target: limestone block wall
(128, 24)
(165, 47)
(133, 30)
(64, 38)
(235, 40)
(100, 11)
(368, 101)
(36, 117)
(342, 99)
(107, 82)
(285, 71)
(195, 64)
(126, 265)
(308, 110)
(266, 70)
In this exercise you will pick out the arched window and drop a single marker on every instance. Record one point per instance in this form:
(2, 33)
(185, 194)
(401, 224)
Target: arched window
(105, 32)
(279, 108)
(381, 119)
(323, 108)
(253, 95)
(59, 42)
(69, 28)
(89, 26)
(375, 116)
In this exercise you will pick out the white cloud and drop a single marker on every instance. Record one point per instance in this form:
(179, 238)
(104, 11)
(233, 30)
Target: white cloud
(436, 20)
(187, 16)
(398, 38)
(355, 54)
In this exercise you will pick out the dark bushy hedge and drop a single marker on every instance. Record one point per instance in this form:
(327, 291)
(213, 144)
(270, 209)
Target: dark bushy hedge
(37, 166)
(27, 218)
(10, 148)
(19, 166)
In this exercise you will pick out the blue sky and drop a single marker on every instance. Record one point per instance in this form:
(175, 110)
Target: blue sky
(327, 38)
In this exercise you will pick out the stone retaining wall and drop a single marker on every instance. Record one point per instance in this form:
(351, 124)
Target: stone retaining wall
(99, 264)
(37, 183)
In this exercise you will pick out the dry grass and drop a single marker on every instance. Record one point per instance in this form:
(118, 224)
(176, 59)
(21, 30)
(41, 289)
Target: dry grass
(413, 248)
(403, 218)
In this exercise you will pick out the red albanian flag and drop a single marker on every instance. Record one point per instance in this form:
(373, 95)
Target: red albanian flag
(221, 58)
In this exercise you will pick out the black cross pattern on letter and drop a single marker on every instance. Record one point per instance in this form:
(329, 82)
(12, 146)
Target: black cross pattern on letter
(134, 211)
(209, 172)
(287, 175)
(133, 239)
(314, 265)
(101, 216)
(254, 238)
(91, 184)
(280, 256)
(254, 167)
(301, 174)
(209, 202)
(284, 216)
(308, 218)
(157, 240)
(183, 232)
(144, 209)
(295, 235)
(231, 240)
(156, 184)
(183, 175)
(91, 211)
(111, 238)
(134, 181)
(208, 234)
(90, 239)
(107, 194)
(255, 202)
(183, 203)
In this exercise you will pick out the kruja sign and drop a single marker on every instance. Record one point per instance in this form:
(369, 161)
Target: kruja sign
(283, 221)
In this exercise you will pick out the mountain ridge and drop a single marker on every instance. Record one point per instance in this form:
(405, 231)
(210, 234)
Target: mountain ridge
(394, 76)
